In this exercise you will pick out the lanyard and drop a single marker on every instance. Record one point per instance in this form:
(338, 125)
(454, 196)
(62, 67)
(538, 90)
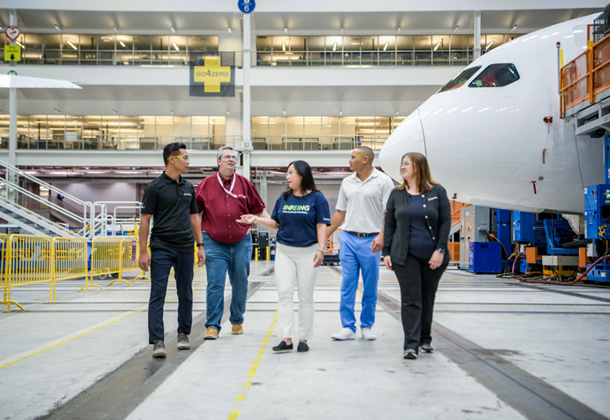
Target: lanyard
(230, 192)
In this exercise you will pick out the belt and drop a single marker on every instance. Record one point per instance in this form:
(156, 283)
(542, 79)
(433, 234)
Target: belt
(362, 235)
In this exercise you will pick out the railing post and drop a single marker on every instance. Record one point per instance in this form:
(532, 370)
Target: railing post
(590, 74)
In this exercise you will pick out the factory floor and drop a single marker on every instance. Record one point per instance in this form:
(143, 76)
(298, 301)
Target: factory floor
(504, 349)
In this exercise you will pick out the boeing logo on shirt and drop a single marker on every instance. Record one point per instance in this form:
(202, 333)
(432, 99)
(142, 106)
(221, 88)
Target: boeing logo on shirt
(432, 198)
(294, 207)
(188, 194)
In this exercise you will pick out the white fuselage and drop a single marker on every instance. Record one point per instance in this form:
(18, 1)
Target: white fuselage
(490, 146)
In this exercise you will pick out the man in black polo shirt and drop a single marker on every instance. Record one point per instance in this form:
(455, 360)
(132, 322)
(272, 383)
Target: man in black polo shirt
(170, 200)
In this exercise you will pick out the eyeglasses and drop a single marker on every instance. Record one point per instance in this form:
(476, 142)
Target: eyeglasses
(406, 164)
(352, 157)
(185, 158)
(228, 157)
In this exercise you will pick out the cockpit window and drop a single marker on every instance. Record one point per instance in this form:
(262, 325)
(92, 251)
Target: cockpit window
(460, 79)
(496, 75)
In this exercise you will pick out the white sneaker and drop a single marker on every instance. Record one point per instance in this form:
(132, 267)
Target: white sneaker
(344, 334)
(367, 334)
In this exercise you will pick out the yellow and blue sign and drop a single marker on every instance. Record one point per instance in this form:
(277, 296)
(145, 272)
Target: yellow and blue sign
(210, 78)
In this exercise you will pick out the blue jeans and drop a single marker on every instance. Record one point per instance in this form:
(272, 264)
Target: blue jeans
(221, 257)
(355, 255)
(162, 260)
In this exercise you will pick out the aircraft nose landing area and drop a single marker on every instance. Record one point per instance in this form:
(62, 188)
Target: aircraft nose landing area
(503, 350)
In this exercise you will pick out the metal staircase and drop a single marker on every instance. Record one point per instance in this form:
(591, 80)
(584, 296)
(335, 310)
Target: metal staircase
(31, 222)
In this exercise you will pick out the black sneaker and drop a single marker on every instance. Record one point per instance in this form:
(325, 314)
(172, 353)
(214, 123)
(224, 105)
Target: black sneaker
(302, 347)
(183, 342)
(409, 354)
(427, 348)
(283, 347)
(159, 349)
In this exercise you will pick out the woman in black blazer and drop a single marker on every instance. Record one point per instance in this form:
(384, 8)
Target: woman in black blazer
(417, 224)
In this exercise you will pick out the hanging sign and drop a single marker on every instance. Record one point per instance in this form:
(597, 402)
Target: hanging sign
(12, 53)
(246, 6)
(12, 32)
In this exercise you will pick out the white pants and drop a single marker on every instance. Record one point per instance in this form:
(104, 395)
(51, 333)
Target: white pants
(294, 263)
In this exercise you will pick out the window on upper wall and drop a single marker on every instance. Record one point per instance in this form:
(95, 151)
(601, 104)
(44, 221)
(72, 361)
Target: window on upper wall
(496, 75)
(460, 79)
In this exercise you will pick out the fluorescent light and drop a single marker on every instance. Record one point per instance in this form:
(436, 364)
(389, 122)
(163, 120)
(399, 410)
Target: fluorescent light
(385, 47)
(284, 46)
(456, 28)
(57, 28)
(229, 29)
(398, 30)
(342, 29)
(437, 45)
(72, 45)
(490, 43)
(514, 27)
(335, 46)
(171, 28)
(115, 29)
(175, 46)
(285, 29)
(23, 46)
(122, 44)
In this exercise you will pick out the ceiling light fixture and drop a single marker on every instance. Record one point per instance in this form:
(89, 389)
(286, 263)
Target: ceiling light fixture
(335, 46)
(57, 111)
(122, 44)
(385, 47)
(514, 27)
(456, 28)
(115, 29)
(21, 45)
(115, 111)
(342, 29)
(229, 29)
(57, 28)
(171, 28)
(398, 30)
(490, 43)
(228, 112)
(175, 46)
(284, 112)
(72, 45)
(437, 45)
(397, 111)
(285, 29)
(284, 46)
(340, 113)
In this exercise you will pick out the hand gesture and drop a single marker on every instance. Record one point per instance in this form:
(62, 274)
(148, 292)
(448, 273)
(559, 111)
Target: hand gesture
(247, 219)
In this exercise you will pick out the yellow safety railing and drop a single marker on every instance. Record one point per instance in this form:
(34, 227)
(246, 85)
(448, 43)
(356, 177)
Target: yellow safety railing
(136, 231)
(30, 260)
(3, 256)
(129, 259)
(586, 76)
(106, 257)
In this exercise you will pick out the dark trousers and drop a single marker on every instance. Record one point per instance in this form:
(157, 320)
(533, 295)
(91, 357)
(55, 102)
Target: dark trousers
(162, 260)
(418, 284)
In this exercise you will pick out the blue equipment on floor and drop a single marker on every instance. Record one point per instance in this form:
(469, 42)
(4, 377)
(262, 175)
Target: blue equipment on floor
(597, 220)
(485, 257)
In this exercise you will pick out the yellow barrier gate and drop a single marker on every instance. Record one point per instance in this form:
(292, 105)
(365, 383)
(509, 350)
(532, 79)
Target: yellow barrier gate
(129, 259)
(30, 260)
(70, 260)
(105, 257)
(3, 256)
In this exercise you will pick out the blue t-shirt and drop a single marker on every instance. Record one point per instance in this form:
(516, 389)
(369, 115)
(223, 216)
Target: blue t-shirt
(421, 244)
(298, 217)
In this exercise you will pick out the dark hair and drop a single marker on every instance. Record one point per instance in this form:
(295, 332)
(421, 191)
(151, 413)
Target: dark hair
(365, 150)
(169, 150)
(303, 169)
(423, 179)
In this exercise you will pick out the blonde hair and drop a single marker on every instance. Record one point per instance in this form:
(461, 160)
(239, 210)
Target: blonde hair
(423, 179)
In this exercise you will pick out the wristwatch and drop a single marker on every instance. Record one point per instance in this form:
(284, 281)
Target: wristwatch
(199, 245)
(441, 250)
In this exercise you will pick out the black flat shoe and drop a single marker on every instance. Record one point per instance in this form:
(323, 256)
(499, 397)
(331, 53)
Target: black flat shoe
(283, 347)
(409, 354)
(427, 348)
(302, 347)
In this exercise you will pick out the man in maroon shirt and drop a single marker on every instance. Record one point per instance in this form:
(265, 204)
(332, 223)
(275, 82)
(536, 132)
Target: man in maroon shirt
(223, 198)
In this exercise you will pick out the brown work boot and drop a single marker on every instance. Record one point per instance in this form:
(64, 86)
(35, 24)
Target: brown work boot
(237, 329)
(211, 334)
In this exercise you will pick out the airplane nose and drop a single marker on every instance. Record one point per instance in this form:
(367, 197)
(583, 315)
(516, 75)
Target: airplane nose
(408, 137)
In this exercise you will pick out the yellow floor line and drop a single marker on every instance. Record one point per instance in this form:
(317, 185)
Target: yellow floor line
(332, 271)
(56, 343)
(252, 372)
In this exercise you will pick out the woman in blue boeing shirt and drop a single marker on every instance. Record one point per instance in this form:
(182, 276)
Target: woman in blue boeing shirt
(301, 215)
(416, 231)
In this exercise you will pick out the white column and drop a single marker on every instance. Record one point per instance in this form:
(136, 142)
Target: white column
(12, 130)
(245, 115)
(477, 34)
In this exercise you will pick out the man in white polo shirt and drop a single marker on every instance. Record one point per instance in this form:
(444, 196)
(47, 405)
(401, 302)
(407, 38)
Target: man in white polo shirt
(361, 205)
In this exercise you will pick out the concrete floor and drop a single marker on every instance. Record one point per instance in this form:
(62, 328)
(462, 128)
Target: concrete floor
(504, 350)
